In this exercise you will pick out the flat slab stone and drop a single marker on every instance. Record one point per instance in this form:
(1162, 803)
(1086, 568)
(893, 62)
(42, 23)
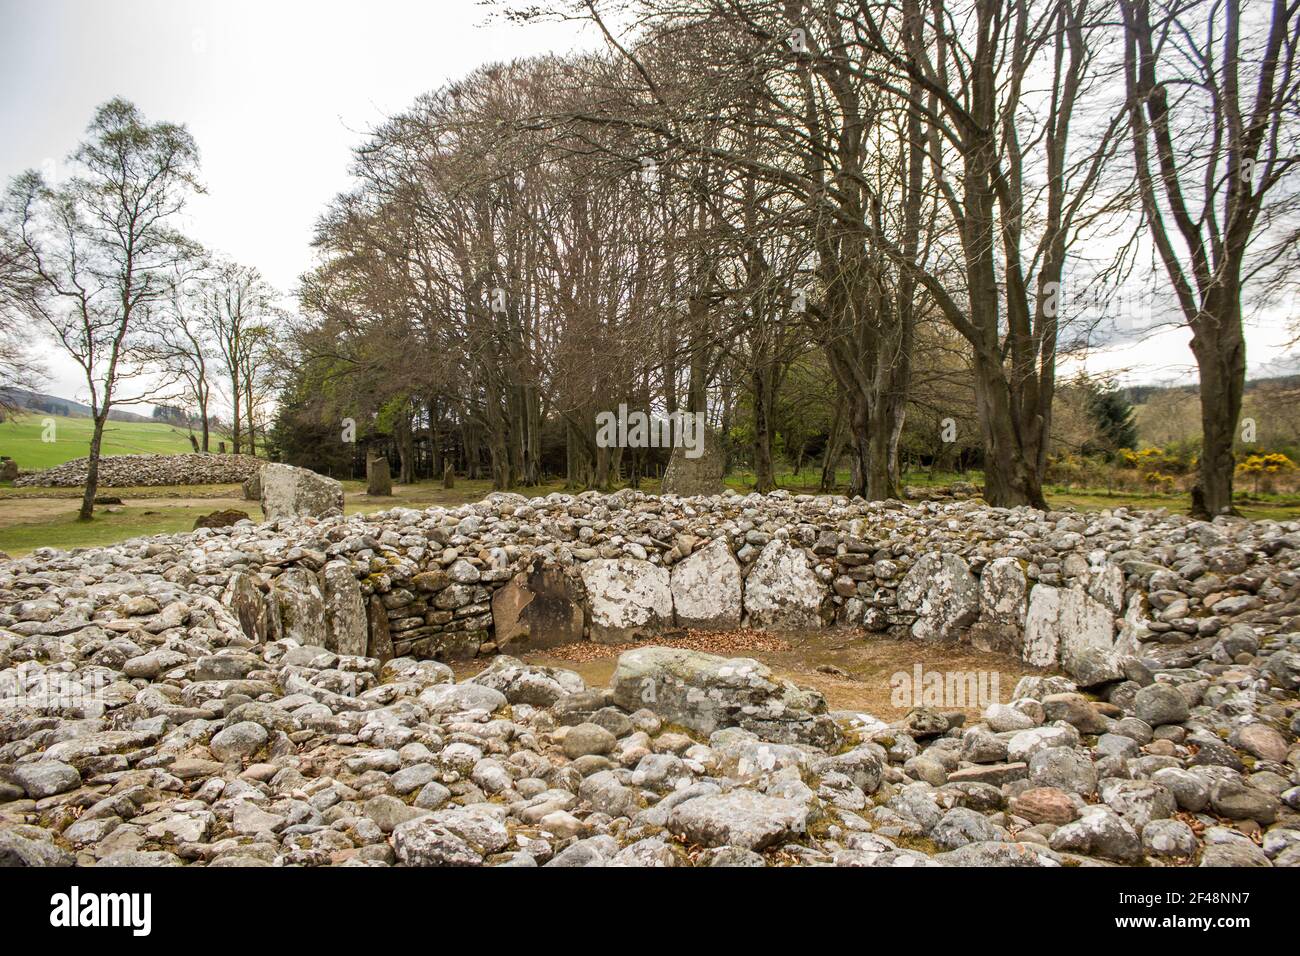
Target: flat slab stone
(707, 587)
(782, 591)
(740, 818)
(628, 599)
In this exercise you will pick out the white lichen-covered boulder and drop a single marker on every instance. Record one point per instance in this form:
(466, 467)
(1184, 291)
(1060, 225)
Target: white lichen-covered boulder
(627, 599)
(782, 591)
(1106, 585)
(704, 692)
(1004, 592)
(289, 492)
(943, 594)
(1004, 600)
(1066, 626)
(741, 818)
(707, 587)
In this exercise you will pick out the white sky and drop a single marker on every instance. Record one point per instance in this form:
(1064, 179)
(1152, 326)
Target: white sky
(278, 92)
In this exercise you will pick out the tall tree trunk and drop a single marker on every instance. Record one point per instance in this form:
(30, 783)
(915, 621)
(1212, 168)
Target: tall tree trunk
(235, 414)
(763, 398)
(1220, 350)
(92, 468)
(1010, 478)
(834, 444)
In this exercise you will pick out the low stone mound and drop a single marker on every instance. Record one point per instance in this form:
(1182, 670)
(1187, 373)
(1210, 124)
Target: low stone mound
(128, 471)
(261, 686)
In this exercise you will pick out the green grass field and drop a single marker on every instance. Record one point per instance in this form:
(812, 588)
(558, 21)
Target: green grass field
(21, 438)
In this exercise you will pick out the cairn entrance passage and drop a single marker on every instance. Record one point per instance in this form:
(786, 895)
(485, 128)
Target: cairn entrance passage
(275, 690)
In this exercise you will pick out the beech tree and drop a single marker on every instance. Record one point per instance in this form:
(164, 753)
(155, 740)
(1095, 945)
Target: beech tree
(1213, 98)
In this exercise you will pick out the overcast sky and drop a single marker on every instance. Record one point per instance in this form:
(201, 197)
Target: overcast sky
(278, 92)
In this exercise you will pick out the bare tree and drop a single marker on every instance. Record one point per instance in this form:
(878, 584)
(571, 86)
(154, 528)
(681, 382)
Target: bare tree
(1213, 94)
(18, 367)
(98, 250)
(236, 308)
(182, 343)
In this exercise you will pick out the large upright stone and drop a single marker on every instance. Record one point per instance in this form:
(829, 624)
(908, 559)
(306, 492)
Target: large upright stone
(1066, 626)
(628, 599)
(707, 587)
(380, 642)
(299, 608)
(346, 630)
(379, 478)
(245, 599)
(540, 607)
(701, 475)
(289, 492)
(782, 590)
(1004, 600)
(943, 594)
(705, 693)
(8, 469)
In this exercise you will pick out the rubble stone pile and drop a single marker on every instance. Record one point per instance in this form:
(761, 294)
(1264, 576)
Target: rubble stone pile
(127, 471)
(270, 694)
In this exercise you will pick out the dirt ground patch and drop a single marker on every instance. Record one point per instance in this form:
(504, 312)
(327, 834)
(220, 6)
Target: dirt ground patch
(855, 670)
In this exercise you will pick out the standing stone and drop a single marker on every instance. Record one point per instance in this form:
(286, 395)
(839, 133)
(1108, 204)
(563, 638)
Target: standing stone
(289, 492)
(379, 479)
(245, 599)
(380, 644)
(706, 587)
(8, 469)
(299, 607)
(1065, 625)
(346, 630)
(629, 599)
(687, 476)
(449, 477)
(539, 607)
(252, 487)
(1004, 599)
(782, 590)
(943, 593)
(1106, 585)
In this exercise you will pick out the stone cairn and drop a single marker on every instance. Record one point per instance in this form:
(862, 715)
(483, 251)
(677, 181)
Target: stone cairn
(124, 471)
(268, 694)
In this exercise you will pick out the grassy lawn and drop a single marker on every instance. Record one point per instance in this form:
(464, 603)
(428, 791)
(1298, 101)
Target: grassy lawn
(1275, 507)
(21, 439)
(61, 529)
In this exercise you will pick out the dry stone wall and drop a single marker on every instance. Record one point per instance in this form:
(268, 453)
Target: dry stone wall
(1060, 590)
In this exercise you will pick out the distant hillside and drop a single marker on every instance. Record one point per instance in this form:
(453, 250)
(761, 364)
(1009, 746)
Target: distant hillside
(23, 439)
(66, 407)
(1141, 394)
